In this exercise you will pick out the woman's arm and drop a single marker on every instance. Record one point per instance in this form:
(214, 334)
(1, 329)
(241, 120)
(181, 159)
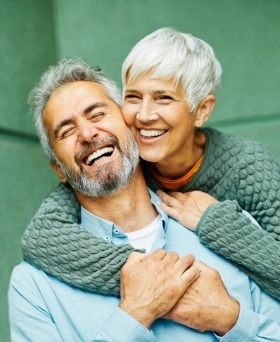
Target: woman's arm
(226, 230)
(55, 242)
(223, 227)
(251, 184)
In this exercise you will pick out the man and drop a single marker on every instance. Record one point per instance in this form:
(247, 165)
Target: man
(165, 294)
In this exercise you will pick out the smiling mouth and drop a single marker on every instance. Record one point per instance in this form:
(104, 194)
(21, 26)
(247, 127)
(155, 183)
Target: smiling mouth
(99, 155)
(151, 134)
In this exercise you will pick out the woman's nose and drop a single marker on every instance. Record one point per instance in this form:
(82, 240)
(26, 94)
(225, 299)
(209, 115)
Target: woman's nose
(147, 112)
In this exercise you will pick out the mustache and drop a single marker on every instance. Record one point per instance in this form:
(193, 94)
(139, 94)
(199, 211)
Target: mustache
(95, 145)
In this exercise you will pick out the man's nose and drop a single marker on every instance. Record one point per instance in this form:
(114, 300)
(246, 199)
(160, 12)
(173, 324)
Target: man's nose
(87, 131)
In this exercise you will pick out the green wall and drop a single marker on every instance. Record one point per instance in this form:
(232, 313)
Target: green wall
(34, 34)
(244, 34)
(27, 46)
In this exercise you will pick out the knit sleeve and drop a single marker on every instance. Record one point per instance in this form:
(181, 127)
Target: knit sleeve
(54, 242)
(228, 232)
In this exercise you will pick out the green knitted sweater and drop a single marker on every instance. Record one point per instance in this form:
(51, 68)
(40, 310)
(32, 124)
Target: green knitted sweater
(241, 174)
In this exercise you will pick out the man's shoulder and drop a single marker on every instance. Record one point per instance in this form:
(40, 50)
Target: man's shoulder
(24, 271)
(26, 282)
(25, 266)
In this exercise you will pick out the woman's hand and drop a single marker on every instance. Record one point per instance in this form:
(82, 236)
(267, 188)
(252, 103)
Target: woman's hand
(187, 208)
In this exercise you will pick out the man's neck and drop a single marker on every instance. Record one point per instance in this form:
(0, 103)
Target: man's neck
(129, 208)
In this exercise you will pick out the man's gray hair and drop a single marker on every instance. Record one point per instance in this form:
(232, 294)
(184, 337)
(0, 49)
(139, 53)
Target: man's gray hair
(65, 72)
(169, 54)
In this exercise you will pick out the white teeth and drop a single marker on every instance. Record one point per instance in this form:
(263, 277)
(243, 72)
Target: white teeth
(154, 133)
(98, 153)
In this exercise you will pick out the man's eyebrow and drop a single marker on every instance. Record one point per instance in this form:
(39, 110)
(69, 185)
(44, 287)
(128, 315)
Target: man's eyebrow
(95, 105)
(61, 124)
(85, 112)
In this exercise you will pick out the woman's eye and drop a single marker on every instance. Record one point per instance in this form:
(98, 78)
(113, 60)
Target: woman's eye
(132, 98)
(164, 99)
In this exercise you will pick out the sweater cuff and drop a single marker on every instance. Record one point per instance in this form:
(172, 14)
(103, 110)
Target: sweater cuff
(215, 212)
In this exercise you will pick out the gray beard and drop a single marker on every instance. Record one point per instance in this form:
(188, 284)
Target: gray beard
(106, 180)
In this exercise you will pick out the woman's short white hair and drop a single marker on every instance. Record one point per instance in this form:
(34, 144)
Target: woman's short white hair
(169, 54)
(66, 71)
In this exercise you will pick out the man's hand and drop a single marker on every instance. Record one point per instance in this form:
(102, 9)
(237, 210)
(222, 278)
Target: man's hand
(151, 286)
(206, 304)
(187, 208)
(135, 257)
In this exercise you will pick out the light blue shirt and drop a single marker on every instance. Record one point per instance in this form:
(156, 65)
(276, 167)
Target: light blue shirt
(42, 308)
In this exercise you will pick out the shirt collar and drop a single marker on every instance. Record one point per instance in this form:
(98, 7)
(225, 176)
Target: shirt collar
(105, 229)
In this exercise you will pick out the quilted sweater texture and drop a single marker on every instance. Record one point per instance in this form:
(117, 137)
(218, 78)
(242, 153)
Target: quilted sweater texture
(240, 173)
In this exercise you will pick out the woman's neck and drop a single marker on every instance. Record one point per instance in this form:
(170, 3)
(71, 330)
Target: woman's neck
(179, 165)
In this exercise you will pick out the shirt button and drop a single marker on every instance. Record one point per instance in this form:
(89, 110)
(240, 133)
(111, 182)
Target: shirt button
(116, 231)
(107, 238)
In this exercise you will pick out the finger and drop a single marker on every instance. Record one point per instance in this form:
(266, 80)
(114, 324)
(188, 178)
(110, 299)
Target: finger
(169, 210)
(202, 266)
(207, 270)
(190, 276)
(171, 258)
(166, 198)
(179, 196)
(135, 257)
(183, 263)
(158, 254)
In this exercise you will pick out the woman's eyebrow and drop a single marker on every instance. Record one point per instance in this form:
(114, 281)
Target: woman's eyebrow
(132, 91)
(157, 92)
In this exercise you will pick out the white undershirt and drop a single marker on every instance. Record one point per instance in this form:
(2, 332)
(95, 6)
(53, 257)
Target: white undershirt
(145, 237)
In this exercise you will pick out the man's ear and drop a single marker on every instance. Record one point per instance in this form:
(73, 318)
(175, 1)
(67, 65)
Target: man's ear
(204, 110)
(58, 171)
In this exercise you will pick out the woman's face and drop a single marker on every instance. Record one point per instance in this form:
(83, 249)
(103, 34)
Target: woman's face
(159, 116)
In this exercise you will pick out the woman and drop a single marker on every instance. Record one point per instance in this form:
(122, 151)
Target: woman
(170, 80)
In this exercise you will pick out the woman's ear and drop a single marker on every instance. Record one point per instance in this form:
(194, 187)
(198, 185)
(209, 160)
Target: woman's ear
(58, 171)
(204, 110)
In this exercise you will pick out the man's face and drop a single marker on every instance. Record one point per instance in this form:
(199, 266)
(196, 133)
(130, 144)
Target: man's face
(95, 151)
